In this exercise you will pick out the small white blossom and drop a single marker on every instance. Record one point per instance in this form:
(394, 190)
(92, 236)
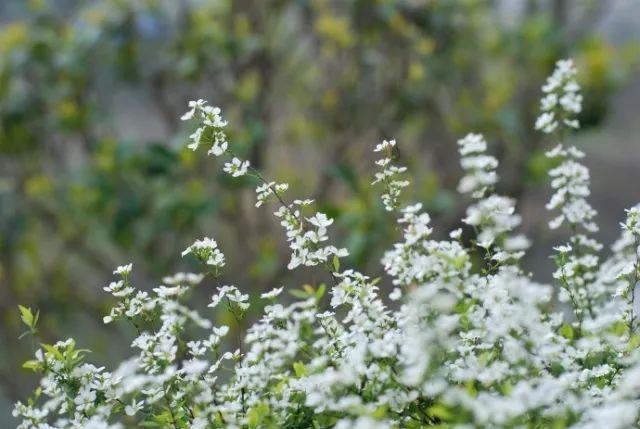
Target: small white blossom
(236, 167)
(123, 270)
(272, 293)
(132, 408)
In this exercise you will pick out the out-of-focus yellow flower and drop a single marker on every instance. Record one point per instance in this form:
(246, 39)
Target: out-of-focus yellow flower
(329, 99)
(242, 26)
(67, 110)
(39, 185)
(248, 87)
(12, 35)
(335, 29)
(416, 71)
(426, 46)
(398, 24)
(95, 16)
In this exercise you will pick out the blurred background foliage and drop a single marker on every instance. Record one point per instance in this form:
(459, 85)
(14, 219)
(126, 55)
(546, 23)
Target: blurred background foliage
(93, 167)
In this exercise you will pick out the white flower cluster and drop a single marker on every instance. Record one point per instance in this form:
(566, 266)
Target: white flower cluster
(578, 262)
(629, 270)
(562, 100)
(233, 297)
(266, 190)
(492, 217)
(211, 131)
(571, 185)
(388, 176)
(307, 235)
(207, 252)
(131, 302)
(480, 168)
(473, 343)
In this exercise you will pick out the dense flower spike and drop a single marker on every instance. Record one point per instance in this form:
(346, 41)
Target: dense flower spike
(388, 176)
(480, 168)
(493, 218)
(629, 271)
(562, 100)
(570, 181)
(473, 343)
(577, 260)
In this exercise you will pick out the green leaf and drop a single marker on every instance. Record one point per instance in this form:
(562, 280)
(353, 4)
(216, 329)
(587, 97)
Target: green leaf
(300, 294)
(53, 351)
(380, 412)
(441, 412)
(320, 292)
(36, 318)
(299, 369)
(566, 331)
(336, 264)
(257, 415)
(26, 315)
(634, 341)
(33, 365)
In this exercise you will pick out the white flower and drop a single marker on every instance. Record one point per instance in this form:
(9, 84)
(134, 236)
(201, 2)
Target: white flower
(546, 122)
(196, 139)
(236, 167)
(183, 279)
(385, 145)
(456, 234)
(123, 270)
(320, 220)
(218, 148)
(272, 293)
(133, 408)
(85, 397)
(395, 294)
(194, 105)
(168, 292)
(233, 295)
(563, 249)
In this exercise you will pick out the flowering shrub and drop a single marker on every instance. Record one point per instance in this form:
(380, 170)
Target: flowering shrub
(474, 342)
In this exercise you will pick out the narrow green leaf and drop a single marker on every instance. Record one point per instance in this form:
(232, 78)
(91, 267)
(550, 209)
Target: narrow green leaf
(336, 264)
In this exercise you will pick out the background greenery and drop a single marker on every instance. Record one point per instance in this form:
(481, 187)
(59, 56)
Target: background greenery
(93, 167)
